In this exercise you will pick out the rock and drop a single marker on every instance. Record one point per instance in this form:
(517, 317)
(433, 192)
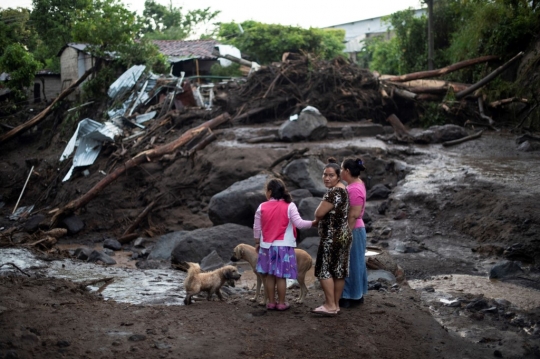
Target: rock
(108, 252)
(366, 217)
(477, 304)
(113, 244)
(525, 147)
(310, 125)
(383, 207)
(211, 262)
(307, 209)
(381, 275)
(63, 343)
(438, 134)
(32, 224)
(306, 173)
(165, 244)
(310, 245)
(73, 224)
(195, 245)
(347, 132)
(152, 264)
(379, 191)
(100, 256)
(504, 270)
(83, 253)
(300, 194)
(238, 203)
(138, 242)
(137, 338)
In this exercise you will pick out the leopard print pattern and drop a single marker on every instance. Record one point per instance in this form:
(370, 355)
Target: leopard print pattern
(336, 238)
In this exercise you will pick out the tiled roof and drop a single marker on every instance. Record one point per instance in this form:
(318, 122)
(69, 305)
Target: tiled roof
(201, 49)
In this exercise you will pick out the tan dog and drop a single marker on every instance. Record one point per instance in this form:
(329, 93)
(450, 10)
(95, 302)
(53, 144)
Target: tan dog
(304, 262)
(198, 281)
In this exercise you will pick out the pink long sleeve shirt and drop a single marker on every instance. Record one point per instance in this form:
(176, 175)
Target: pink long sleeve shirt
(274, 224)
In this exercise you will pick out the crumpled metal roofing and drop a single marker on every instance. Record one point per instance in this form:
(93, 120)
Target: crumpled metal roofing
(88, 138)
(126, 81)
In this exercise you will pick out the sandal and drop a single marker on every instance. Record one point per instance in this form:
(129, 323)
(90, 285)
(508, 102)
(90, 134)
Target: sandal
(271, 306)
(323, 311)
(283, 306)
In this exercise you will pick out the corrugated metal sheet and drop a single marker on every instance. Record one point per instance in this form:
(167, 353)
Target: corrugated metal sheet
(88, 138)
(126, 81)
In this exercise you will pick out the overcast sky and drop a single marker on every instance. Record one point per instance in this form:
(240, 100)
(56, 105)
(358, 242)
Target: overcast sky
(304, 13)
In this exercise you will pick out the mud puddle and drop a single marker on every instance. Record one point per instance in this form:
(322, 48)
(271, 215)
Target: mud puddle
(152, 286)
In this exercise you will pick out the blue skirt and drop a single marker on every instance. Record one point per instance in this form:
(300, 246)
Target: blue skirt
(356, 284)
(277, 261)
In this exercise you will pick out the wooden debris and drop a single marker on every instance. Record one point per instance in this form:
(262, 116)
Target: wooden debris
(140, 217)
(463, 139)
(489, 77)
(14, 266)
(142, 157)
(439, 72)
(505, 101)
(401, 132)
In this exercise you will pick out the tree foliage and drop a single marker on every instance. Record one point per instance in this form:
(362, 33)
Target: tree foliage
(162, 22)
(267, 42)
(15, 28)
(21, 66)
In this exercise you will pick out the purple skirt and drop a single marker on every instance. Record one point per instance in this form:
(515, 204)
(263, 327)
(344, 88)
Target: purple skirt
(277, 261)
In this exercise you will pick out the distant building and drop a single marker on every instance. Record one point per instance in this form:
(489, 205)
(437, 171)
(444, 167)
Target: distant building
(74, 62)
(357, 31)
(46, 86)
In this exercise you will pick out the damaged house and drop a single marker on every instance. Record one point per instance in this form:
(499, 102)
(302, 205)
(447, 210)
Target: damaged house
(195, 58)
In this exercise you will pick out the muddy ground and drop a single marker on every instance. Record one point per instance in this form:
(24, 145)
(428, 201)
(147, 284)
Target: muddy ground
(449, 219)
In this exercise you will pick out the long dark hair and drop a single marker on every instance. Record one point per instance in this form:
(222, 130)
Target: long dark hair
(333, 163)
(278, 190)
(354, 166)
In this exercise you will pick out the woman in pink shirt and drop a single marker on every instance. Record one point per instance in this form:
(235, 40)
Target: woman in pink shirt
(356, 284)
(274, 231)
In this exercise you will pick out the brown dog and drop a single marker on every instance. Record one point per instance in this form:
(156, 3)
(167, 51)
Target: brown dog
(304, 262)
(198, 281)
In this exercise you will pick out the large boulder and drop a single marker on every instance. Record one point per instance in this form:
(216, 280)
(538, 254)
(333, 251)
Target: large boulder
(437, 134)
(238, 203)
(299, 194)
(165, 244)
(310, 126)
(307, 208)
(306, 173)
(193, 246)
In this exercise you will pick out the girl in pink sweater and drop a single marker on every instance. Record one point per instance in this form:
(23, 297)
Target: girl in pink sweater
(274, 231)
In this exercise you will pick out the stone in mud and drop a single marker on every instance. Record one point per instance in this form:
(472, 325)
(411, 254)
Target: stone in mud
(306, 173)
(310, 125)
(381, 275)
(165, 244)
(195, 245)
(113, 244)
(211, 262)
(32, 224)
(299, 194)
(83, 253)
(73, 224)
(238, 203)
(100, 256)
(307, 209)
(504, 270)
(379, 191)
(438, 134)
(310, 245)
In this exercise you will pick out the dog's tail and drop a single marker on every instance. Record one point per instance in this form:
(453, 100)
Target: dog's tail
(186, 266)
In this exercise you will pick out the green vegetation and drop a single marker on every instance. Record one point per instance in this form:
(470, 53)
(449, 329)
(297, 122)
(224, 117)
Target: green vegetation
(266, 43)
(233, 70)
(21, 66)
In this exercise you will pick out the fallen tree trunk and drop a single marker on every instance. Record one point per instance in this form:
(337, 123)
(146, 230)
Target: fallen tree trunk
(488, 78)
(463, 139)
(439, 72)
(146, 156)
(40, 116)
